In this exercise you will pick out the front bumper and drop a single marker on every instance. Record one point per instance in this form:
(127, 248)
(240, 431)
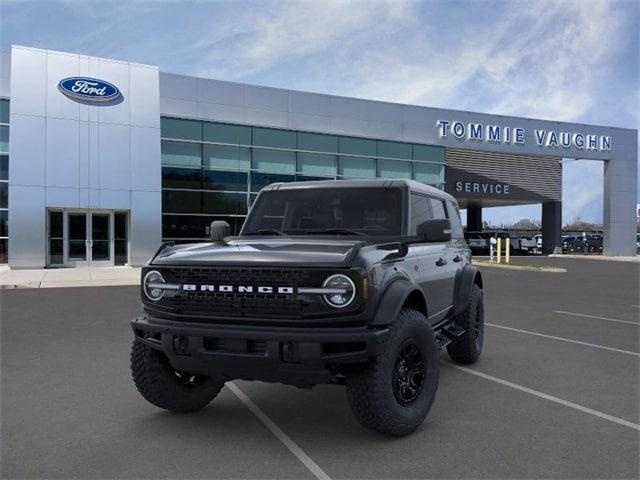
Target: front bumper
(294, 355)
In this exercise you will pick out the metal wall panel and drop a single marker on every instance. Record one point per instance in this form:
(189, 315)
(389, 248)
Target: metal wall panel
(531, 179)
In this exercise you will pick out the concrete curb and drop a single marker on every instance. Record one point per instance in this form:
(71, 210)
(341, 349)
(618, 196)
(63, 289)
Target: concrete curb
(635, 259)
(520, 267)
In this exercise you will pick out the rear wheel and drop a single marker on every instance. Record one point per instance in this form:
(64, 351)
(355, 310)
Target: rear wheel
(163, 386)
(468, 347)
(394, 392)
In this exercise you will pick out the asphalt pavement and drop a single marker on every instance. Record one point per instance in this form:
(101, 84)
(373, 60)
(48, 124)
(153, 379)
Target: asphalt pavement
(554, 395)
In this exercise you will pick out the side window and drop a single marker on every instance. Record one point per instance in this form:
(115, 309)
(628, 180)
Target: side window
(437, 209)
(420, 212)
(456, 223)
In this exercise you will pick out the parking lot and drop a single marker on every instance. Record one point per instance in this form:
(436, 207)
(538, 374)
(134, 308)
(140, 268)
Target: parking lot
(555, 395)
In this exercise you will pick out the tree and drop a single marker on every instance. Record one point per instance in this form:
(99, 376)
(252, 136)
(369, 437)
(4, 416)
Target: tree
(579, 225)
(526, 224)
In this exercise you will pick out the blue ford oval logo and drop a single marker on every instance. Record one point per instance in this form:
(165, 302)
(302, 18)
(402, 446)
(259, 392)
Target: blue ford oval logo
(89, 89)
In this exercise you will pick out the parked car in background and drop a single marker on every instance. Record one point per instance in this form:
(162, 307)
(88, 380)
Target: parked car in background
(478, 243)
(528, 244)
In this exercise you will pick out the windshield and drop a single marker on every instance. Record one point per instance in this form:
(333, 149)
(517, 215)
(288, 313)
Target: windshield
(329, 211)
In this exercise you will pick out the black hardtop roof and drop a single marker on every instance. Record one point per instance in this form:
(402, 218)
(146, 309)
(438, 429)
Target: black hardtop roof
(412, 185)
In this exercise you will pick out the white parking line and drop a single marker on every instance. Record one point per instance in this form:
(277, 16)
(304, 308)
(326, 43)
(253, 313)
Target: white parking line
(280, 435)
(596, 317)
(602, 347)
(551, 398)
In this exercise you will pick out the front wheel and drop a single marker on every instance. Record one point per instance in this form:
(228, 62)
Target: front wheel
(394, 392)
(163, 386)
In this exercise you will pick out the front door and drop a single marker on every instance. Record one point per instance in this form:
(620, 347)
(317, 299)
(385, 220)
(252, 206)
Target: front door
(100, 241)
(77, 240)
(90, 238)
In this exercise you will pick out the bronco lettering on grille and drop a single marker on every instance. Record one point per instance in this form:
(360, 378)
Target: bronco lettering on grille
(190, 287)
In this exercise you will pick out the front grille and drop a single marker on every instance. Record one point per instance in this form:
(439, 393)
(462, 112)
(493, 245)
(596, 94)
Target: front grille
(234, 304)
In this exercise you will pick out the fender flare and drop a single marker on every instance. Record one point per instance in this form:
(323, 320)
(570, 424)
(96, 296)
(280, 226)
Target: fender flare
(464, 281)
(392, 300)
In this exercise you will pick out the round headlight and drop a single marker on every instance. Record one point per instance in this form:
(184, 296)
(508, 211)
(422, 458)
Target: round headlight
(150, 285)
(344, 290)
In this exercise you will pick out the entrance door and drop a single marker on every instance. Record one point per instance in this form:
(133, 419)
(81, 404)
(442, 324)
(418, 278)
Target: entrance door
(87, 238)
(100, 241)
(77, 239)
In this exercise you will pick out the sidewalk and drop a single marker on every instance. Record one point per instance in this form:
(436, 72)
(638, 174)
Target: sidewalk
(69, 277)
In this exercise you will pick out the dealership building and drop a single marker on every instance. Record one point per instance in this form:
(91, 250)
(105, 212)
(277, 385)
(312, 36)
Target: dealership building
(101, 160)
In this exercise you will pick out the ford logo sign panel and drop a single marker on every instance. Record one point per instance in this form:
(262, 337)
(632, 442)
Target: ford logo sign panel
(88, 89)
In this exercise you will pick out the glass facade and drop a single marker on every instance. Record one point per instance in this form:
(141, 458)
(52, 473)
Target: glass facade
(4, 180)
(212, 171)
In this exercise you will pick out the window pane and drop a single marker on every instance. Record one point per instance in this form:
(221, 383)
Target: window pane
(271, 137)
(358, 146)
(179, 153)
(55, 225)
(357, 167)
(185, 226)
(317, 143)
(120, 226)
(227, 158)
(181, 178)
(56, 252)
(393, 169)
(311, 178)
(224, 133)
(428, 173)
(261, 180)
(183, 129)
(217, 180)
(4, 139)
(4, 223)
(428, 153)
(275, 161)
(394, 150)
(4, 251)
(4, 167)
(437, 208)
(174, 201)
(225, 203)
(4, 193)
(4, 111)
(419, 212)
(317, 164)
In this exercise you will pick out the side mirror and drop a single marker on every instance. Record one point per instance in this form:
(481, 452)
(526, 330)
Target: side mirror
(435, 230)
(218, 230)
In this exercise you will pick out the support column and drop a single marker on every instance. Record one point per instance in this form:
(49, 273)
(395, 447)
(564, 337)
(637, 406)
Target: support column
(551, 227)
(474, 218)
(620, 192)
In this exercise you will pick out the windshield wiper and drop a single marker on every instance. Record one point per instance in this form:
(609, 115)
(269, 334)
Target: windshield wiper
(266, 231)
(337, 231)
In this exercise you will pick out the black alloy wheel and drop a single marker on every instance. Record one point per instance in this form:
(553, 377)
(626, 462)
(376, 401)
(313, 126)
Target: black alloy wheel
(408, 374)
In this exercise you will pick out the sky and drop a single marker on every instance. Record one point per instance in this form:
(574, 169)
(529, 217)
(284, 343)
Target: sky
(558, 60)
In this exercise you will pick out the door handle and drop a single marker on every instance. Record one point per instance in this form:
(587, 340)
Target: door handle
(457, 258)
(441, 262)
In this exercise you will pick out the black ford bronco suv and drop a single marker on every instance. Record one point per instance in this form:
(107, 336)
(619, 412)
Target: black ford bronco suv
(353, 282)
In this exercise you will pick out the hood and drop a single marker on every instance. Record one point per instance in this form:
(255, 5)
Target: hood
(260, 251)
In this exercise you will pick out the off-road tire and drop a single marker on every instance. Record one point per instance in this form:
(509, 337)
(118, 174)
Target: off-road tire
(160, 384)
(468, 347)
(370, 388)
